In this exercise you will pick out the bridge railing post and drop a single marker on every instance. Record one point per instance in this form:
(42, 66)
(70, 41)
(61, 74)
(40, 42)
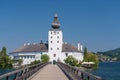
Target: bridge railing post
(82, 75)
(88, 77)
(7, 78)
(76, 73)
(24, 73)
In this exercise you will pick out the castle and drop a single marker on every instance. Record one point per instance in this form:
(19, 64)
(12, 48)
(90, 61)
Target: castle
(55, 48)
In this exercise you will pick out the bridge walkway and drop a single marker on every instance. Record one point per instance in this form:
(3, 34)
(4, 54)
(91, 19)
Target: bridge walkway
(50, 72)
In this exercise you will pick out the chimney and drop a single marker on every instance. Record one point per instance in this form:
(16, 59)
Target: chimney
(34, 43)
(25, 44)
(28, 44)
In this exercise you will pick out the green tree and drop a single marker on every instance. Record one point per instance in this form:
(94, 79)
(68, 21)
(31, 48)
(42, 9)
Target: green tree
(85, 54)
(4, 52)
(71, 61)
(5, 61)
(35, 62)
(45, 58)
(91, 57)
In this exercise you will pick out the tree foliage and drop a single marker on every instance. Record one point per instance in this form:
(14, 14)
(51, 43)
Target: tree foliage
(114, 53)
(20, 61)
(45, 58)
(34, 62)
(85, 54)
(90, 57)
(5, 61)
(71, 61)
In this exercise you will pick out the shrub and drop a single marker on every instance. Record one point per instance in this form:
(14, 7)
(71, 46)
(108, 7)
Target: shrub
(45, 58)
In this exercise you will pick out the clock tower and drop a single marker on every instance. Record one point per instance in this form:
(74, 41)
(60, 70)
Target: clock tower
(55, 40)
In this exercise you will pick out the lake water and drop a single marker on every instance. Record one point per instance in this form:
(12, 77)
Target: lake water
(3, 71)
(106, 70)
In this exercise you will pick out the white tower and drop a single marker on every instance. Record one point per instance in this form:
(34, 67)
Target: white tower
(55, 40)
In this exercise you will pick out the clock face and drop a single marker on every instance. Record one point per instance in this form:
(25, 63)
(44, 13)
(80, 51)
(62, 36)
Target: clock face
(54, 32)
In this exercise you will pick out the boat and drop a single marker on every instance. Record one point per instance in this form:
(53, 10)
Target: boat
(88, 64)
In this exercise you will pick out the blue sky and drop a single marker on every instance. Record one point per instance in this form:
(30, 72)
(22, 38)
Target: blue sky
(95, 23)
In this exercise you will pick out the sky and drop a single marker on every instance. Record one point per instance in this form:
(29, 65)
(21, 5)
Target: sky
(95, 23)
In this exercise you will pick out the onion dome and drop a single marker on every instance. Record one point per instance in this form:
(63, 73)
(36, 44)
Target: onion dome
(55, 24)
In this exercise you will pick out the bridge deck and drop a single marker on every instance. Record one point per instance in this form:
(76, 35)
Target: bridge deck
(50, 72)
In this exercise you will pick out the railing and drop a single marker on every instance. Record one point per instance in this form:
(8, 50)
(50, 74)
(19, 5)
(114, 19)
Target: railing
(22, 74)
(77, 74)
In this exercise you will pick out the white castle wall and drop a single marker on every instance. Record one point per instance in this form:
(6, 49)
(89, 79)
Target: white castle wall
(28, 57)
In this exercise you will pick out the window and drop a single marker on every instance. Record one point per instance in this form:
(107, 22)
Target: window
(51, 41)
(66, 48)
(15, 57)
(51, 48)
(54, 55)
(51, 32)
(57, 48)
(21, 57)
(58, 32)
(41, 53)
(57, 41)
(31, 57)
(58, 37)
(51, 37)
(27, 57)
(66, 54)
(54, 32)
(24, 57)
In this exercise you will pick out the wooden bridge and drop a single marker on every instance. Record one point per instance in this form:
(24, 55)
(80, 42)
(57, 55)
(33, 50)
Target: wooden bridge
(50, 72)
(46, 71)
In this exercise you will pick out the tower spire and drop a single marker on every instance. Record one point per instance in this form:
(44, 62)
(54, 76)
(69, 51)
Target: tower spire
(55, 24)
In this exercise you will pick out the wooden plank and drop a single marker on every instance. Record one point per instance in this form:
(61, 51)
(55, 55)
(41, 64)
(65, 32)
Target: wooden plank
(50, 72)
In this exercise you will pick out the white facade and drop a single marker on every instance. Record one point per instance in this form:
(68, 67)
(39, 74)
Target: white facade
(77, 55)
(27, 57)
(55, 44)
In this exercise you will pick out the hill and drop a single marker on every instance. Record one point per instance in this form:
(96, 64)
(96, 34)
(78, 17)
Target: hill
(112, 54)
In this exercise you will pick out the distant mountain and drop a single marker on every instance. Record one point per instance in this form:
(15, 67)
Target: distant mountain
(115, 53)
